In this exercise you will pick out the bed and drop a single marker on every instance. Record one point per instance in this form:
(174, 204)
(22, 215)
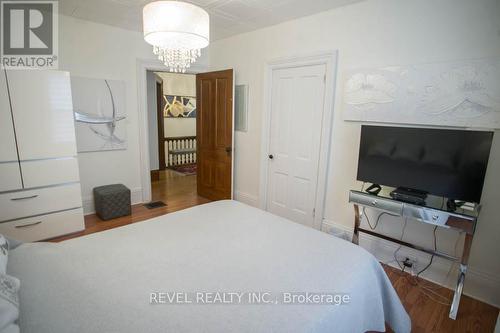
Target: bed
(112, 281)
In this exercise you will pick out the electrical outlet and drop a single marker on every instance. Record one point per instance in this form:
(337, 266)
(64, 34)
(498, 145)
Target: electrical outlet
(401, 258)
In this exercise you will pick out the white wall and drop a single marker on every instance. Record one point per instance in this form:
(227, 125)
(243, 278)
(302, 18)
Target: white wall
(96, 50)
(179, 85)
(180, 127)
(373, 33)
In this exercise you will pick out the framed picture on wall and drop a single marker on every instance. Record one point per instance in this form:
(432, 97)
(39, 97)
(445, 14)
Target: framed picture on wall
(99, 107)
(179, 106)
(241, 108)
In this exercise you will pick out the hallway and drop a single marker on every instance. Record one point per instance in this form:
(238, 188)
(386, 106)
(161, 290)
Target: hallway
(176, 190)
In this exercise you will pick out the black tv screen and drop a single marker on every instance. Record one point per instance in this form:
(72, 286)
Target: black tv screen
(448, 163)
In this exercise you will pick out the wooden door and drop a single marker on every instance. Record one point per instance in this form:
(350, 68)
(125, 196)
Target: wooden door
(214, 134)
(298, 97)
(161, 126)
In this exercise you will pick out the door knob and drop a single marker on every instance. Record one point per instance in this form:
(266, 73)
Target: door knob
(271, 156)
(228, 149)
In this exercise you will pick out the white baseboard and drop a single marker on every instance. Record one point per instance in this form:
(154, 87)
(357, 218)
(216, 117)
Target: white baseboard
(249, 199)
(478, 284)
(88, 202)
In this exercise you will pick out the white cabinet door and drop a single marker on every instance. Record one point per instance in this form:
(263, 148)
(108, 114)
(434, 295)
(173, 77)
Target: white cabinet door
(298, 97)
(10, 176)
(41, 173)
(8, 151)
(43, 113)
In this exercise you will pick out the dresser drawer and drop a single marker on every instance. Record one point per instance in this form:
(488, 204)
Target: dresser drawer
(44, 226)
(41, 201)
(41, 173)
(376, 202)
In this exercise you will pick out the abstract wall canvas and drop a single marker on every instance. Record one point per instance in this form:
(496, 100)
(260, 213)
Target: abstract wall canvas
(458, 94)
(100, 114)
(179, 106)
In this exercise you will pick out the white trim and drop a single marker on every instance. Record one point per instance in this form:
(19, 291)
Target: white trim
(478, 284)
(158, 79)
(88, 202)
(247, 198)
(329, 59)
(233, 134)
(144, 65)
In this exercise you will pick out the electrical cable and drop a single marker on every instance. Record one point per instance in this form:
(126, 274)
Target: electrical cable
(396, 259)
(427, 291)
(378, 218)
(426, 267)
(368, 219)
(455, 250)
(424, 291)
(403, 229)
(432, 256)
(453, 264)
(399, 248)
(384, 213)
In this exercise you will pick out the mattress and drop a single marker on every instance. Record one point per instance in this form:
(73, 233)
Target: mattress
(125, 279)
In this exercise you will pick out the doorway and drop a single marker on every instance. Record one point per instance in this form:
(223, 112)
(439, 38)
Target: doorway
(181, 108)
(296, 137)
(173, 177)
(155, 176)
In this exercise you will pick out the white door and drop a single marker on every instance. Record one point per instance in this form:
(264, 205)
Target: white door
(43, 113)
(10, 176)
(298, 99)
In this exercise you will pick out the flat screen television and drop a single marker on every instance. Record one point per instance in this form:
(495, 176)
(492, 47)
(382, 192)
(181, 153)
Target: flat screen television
(448, 163)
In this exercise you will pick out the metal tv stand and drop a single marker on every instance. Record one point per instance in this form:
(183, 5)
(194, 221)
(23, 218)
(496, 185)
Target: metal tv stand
(465, 222)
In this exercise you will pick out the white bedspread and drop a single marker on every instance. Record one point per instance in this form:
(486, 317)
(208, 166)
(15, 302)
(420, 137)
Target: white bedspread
(103, 282)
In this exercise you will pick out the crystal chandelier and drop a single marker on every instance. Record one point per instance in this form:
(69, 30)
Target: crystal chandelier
(177, 30)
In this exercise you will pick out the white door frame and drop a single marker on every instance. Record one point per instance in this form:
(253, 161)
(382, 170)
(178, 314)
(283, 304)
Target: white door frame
(144, 65)
(329, 59)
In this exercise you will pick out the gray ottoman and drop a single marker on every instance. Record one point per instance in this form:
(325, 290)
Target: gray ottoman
(112, 201)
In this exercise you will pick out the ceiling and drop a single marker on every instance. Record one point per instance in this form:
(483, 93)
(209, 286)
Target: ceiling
(227, 17)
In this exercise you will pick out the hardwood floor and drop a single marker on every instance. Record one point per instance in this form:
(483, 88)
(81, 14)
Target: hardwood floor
(427, 315)
(173, 188)
(178, 192)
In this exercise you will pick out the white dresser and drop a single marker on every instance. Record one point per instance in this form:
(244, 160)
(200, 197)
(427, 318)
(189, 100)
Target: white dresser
(40, 195)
